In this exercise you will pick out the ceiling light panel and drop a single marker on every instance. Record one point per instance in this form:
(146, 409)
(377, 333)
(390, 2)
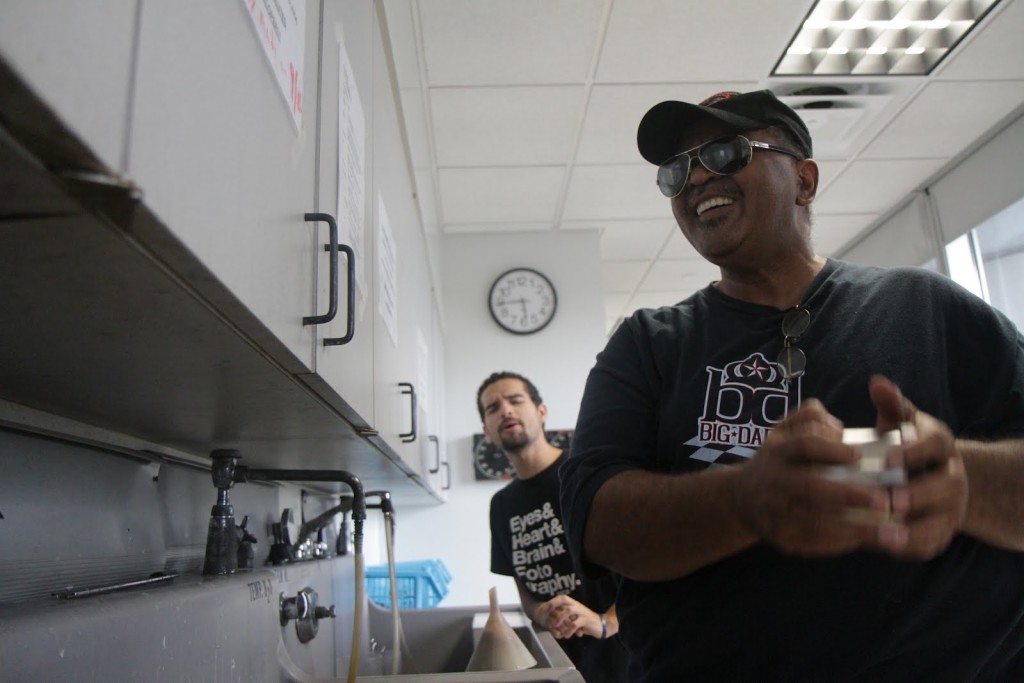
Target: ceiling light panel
(879, 37)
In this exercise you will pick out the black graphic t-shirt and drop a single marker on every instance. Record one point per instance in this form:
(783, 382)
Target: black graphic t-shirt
(696, 385)
(528, 543)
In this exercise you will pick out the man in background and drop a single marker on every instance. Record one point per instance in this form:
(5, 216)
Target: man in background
(528, 539)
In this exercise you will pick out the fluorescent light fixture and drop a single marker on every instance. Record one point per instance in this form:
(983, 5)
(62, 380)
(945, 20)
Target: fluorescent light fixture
(879, 37)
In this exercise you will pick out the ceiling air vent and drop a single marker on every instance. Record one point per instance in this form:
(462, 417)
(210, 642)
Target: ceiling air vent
(835, 114)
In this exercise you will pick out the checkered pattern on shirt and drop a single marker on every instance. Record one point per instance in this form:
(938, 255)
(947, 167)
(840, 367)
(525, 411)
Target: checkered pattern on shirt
(719, 453)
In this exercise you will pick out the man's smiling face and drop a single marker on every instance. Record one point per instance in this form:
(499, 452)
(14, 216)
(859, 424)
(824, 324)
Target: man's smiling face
(739, 215)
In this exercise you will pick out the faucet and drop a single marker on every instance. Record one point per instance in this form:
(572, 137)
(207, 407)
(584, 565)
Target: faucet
(222, 540)
(316, 525)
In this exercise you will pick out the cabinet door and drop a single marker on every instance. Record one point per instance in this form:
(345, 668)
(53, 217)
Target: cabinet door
(439, 476)
(346, 124)
(78, 58)
(219, 160)
(403, 320)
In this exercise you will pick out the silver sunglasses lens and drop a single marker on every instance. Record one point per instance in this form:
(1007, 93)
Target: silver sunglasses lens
(726, 156)
(793, 362)
(672, 176)
(796, 321)
(791, 359)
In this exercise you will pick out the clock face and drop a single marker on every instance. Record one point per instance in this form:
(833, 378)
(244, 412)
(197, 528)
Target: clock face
(490, 462)
(523, 301)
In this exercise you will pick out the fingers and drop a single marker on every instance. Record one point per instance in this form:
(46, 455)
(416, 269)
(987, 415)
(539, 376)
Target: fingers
(893, 408)
(565, 617)
(812, 418)
(930, 510)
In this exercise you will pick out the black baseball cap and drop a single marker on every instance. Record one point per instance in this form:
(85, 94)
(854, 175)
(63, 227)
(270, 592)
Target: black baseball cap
(662, 127)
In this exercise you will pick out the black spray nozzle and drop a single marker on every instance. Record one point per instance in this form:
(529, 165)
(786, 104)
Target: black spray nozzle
(385, 504)
(225, 462)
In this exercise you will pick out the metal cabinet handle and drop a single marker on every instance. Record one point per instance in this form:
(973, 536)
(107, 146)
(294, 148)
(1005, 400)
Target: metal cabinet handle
(332, 247)
(332, 307)
(437, 453)
(350, 317)
(407, 388)
(447, 477)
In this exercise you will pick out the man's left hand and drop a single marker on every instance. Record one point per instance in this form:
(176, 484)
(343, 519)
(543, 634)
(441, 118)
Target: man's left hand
(930, 508)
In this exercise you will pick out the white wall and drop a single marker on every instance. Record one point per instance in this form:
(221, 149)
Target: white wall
(557, 360)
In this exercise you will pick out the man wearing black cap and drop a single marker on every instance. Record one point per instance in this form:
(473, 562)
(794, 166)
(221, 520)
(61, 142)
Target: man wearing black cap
(711, 469)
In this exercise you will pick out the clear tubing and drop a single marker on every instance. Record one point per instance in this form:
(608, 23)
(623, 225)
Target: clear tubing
(357, 613)
(357, 618)
(396, 620)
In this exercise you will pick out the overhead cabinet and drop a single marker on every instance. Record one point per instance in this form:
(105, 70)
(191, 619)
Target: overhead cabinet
(213, 209)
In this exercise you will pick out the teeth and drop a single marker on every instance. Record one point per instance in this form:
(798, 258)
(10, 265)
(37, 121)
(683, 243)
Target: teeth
(712, 203)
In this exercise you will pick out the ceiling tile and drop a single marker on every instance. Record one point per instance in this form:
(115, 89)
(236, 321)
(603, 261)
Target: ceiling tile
(875, 186)
(828, 171)
(489, 195)
(832, 232)
(486, 42)
(622, 276)
(614, 303)
(627, 240)
(946, 117)
(464, 228)
(496, 126)
(992, 50)
(613, 192)
(671, 41)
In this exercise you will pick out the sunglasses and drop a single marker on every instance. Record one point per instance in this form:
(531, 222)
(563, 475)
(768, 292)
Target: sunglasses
(791, 358)
(723, 156)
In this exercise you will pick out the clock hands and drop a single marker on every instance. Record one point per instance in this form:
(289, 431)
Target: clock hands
(521, 301)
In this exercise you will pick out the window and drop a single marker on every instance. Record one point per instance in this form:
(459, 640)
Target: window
(989, 261)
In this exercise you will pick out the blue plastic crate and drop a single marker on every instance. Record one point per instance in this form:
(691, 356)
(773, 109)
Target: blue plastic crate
(419, 584)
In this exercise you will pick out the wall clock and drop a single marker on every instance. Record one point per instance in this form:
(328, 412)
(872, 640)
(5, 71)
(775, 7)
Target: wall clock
(490, 462)
(522, 301)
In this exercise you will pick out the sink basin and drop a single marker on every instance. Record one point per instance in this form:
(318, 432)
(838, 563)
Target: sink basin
(440, 642)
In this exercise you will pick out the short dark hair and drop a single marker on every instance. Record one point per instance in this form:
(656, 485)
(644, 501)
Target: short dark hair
(505, 374)
(785, 136)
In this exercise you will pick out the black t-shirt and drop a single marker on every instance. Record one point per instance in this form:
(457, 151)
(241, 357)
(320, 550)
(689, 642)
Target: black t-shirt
(528, 543)
(686, 387)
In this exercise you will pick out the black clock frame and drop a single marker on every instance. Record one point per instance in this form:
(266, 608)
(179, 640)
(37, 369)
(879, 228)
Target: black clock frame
(502, 468)
(554, 300)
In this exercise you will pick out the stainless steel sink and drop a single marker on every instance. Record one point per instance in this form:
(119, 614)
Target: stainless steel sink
(440, 643)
